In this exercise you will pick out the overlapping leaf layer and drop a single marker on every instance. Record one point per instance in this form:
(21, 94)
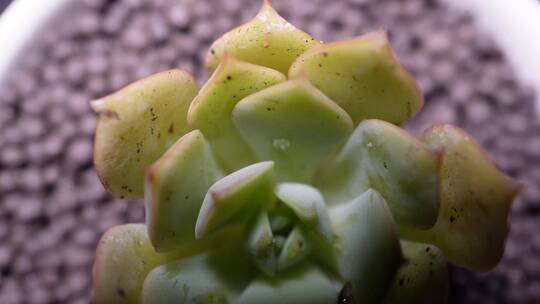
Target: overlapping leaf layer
(286, 179)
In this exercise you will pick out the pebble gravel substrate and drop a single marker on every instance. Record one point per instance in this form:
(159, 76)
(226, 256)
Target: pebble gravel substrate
(53, 208)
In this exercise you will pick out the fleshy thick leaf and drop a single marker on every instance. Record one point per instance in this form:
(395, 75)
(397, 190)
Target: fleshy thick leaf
(293, 124)
(296, 248)
(363, 76)
(366, 249)
(217, 279)
(211, 110)
(137, 125)
(475, 199)
(261, 245)
(241, 192)
(308, 204)
(123, 259)
(381, 156)
(300, 285)
(423, 279)
(267, 40)
(175, 188)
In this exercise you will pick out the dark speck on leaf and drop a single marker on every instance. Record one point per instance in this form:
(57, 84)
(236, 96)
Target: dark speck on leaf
(212, 51)
(427, 249)
(325, 54)
(120, 291)
(229, 77)
(171, 128)
(452, 219)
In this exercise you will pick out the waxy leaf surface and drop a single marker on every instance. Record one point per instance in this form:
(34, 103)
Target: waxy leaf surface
(471, 228)
(363, 76)
(211, 110)
(381, 156)
(294, 125)
(137, 125)
(175, 188)
(267, 40)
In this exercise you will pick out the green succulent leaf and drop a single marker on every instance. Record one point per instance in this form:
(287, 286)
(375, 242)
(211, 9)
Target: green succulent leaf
(295, 249)
(366, 249)
(267, 40)
(215, 279)
(363, 76)
(381, 156)
(137, 125)
(175, 188)
(237, 194)
(261, 245)
(282, 219)
(211, 110)
(308, 204)
(475, 199)
(123, 259)
(423, 279)
(293, 124)
(300, 285)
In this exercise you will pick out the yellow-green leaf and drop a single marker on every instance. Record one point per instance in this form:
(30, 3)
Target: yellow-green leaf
(175, 188)
(363, 76)
(211, 110)
(422, 279)
(241, 192)
(267, 40)
(294, 125)
(137, 125)
(475, 199)
(123, 259)
(381, 156)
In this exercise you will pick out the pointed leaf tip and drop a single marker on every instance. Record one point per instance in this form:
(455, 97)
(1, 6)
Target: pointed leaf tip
(290, 119)
(472, 223)
(137, 125)
(308, 204)
(267, 40)
(365, 243)
(211, 110)
(295, 249)
(261, 245)
(243, 191)
(381, 156)
(363, 76)
(174, 190)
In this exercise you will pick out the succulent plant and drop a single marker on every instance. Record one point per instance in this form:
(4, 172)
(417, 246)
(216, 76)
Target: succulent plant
(286, 179)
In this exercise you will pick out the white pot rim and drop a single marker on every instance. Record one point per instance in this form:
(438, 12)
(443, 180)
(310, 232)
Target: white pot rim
(19, 23)
(515, 26)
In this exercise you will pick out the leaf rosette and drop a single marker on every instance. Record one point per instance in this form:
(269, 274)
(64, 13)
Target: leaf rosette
(286, 179)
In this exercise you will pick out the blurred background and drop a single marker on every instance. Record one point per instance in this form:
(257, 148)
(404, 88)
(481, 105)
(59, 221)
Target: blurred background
(53, 208)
